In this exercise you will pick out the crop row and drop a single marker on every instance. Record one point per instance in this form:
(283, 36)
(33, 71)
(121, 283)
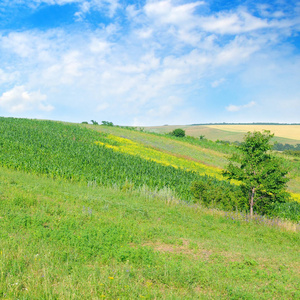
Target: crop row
(75, 153)
(125, 145)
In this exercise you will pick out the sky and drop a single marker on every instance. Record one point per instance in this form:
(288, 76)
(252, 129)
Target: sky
(153, 62)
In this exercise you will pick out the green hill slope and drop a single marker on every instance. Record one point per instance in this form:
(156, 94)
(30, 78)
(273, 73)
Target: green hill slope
(64, 240)
(79, 154)
(95, 214)
(211, 156)
(117, 156)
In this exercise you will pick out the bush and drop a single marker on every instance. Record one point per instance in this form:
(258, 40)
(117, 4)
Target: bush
(178, 132)
(292, 152)
(218, 194)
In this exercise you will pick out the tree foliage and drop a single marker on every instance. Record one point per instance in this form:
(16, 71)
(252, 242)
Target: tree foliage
(263, 176)
(107, 123)
(178, 132)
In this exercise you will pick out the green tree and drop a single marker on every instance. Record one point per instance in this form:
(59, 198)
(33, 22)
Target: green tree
(178, 132)
(263, 176)
(107, 123)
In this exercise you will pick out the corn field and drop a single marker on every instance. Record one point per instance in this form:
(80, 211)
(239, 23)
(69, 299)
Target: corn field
(71, 152)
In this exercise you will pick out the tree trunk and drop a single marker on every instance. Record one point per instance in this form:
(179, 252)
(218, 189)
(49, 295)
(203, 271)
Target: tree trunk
(252, 201)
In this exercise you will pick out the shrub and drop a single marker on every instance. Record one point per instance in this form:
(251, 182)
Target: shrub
(219, 194)
(292, 152)
(178, 132)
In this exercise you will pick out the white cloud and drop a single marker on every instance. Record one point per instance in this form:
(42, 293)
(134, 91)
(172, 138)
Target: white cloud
(237, 51)
(235, 108)
(6, 77)
(166, 12)
(102, 106)
(144, 33)
(163, 49)
(217, 82)
(19, 100)
(232, 23)
(84, 6)
(100, 46)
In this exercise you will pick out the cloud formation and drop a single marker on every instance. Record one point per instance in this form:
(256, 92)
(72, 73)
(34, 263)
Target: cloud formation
(130, 61)
(234, 108)
(18, 100)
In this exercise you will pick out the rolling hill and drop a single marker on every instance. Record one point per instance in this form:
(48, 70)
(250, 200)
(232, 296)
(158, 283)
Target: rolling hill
(286, 134)
(102, 212)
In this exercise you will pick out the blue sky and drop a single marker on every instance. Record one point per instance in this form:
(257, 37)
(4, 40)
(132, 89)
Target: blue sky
(150, 62)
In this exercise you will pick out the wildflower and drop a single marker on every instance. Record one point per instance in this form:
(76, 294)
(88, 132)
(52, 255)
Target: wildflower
(111, 278)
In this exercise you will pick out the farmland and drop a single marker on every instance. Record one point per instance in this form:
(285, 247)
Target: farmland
(78, 154)
(287, 134)
(203, 152)
(102, 212)
(284, 131)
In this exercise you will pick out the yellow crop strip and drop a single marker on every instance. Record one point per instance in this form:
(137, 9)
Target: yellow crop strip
(286, 131)
(128, 146)
(296, 197)
(133, 148)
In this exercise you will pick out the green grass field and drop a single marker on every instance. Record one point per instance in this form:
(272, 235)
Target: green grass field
(63, 240)
(82, 218)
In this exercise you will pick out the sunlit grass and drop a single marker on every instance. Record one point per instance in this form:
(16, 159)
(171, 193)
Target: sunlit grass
(62, 240)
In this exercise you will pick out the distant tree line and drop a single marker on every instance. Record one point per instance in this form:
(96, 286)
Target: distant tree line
(286, 147)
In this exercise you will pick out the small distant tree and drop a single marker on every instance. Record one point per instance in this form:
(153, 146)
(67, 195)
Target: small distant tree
(107, 123)
(94, 122)
(84, 122)
(178, 132)
(263, 176)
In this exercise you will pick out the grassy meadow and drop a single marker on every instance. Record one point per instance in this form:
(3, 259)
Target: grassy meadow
(101, 212)
(64, 240)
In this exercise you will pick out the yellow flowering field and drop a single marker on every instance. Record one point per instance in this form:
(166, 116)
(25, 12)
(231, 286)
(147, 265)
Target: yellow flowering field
(296, 197)
(128, 146)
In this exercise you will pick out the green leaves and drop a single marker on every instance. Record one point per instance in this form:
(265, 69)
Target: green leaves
(262, 174)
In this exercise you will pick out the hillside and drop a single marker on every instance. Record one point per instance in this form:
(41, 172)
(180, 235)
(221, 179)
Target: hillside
(64, 240)
(210, 157)
(286, 134)
(96, 212)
